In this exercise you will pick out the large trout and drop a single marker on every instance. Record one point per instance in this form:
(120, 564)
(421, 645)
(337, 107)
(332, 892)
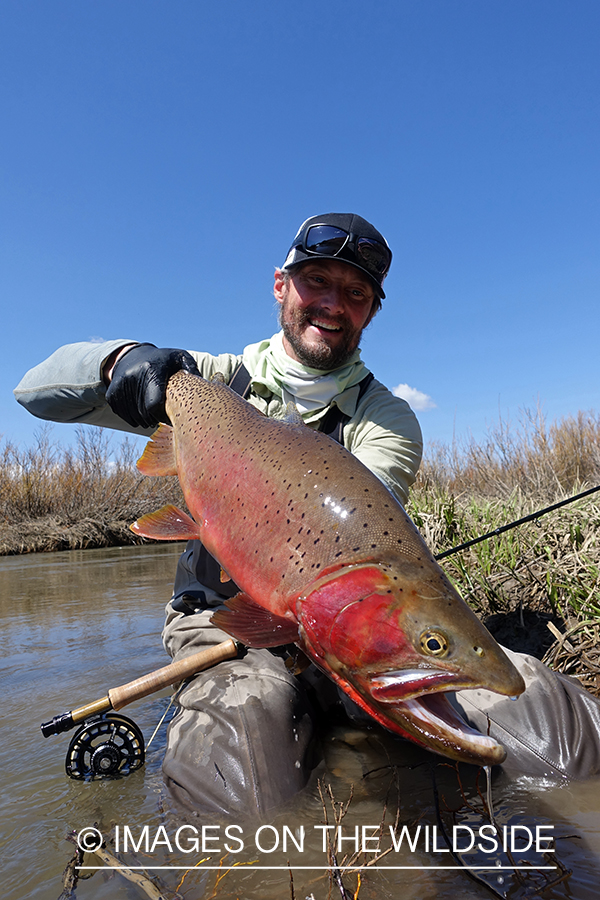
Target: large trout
(326, 558)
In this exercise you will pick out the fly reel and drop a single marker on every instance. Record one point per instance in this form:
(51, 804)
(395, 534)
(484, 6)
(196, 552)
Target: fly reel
(105, 746)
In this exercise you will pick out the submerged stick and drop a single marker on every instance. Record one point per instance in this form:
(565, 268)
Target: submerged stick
(141, 879)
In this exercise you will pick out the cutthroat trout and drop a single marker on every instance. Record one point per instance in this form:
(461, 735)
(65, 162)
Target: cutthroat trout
(325, 557)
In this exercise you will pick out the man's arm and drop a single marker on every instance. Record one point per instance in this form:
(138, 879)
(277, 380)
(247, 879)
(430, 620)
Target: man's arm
(385, 435)
(70, 386)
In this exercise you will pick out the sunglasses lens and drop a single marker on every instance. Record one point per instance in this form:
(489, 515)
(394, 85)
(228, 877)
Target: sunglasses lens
(325, 239)
(375, 256)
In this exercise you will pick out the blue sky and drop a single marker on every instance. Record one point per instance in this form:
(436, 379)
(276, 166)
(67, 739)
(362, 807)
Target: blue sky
(157, 158)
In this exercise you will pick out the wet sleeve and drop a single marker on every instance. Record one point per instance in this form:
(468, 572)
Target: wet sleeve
(385, 435)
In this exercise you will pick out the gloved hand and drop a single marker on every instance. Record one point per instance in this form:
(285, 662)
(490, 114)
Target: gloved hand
(139, 382)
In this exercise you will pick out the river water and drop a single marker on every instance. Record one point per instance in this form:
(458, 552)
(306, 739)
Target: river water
(76, 624)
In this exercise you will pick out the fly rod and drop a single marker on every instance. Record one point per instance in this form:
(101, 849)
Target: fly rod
(121, 696)
(530, 518)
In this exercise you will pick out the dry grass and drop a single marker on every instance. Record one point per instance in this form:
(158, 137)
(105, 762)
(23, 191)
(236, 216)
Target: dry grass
(57, 498)
(538, 460)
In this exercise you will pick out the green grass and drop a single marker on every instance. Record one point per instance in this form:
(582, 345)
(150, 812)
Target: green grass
(551, 566)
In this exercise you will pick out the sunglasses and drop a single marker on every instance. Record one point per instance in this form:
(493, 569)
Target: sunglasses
(327, 240)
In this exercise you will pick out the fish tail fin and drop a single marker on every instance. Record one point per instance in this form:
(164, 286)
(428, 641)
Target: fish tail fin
(158, 457)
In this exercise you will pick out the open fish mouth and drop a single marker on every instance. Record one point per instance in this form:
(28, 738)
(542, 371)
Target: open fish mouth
(433, 715)
(426, 714)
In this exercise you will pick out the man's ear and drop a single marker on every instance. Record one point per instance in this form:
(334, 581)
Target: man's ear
(279, 286)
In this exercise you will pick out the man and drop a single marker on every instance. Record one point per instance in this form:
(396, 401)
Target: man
(243, 737)
(242, 740)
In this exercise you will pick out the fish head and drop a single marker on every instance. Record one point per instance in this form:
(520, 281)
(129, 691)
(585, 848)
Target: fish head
(396, 640)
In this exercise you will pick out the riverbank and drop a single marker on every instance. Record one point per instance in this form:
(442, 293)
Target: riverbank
(537, 587)
(59, 498)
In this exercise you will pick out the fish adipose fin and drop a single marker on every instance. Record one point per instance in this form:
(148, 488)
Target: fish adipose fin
(167, 524)
(253, 625)
(158, 457)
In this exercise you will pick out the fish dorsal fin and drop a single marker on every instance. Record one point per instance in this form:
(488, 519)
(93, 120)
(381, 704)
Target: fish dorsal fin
(254, 625)
(292, 416)
(167, 524)
(217, 378)
(158, 457)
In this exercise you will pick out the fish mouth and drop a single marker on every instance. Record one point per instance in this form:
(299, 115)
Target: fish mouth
(426, 715)
(435, 723)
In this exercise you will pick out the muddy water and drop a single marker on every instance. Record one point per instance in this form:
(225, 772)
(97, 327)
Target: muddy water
(75, 624)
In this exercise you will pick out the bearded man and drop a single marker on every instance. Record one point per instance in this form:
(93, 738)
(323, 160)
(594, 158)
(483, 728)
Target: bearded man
(243, 738)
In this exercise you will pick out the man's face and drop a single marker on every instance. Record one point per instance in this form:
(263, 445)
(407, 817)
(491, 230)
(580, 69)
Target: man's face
(325, 306)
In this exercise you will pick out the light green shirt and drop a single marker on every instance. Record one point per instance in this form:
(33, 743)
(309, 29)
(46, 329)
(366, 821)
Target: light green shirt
(382, 432)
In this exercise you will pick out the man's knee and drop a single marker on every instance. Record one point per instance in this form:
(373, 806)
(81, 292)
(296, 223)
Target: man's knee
(243, 739)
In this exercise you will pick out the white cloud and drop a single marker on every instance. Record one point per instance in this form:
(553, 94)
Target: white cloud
(416, 399)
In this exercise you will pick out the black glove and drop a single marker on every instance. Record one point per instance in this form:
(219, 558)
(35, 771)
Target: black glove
(139, 382)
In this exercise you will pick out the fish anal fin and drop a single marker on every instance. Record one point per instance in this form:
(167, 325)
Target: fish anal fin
(254, 625)
(223, 576)
(158, 457)
(167, 524)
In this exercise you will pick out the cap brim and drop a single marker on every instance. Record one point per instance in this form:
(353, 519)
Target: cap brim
(297, 256)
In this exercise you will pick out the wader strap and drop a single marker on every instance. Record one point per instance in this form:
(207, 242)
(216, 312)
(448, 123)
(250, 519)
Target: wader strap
(240, 381)
(208, 570)
(334, 420)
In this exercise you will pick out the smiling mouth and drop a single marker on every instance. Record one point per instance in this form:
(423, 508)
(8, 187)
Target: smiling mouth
(324, 325)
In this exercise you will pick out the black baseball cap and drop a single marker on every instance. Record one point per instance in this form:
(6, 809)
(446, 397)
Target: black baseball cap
(347, 238)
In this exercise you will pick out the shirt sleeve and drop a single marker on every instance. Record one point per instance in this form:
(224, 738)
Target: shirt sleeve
(385, 435)
(68, 386)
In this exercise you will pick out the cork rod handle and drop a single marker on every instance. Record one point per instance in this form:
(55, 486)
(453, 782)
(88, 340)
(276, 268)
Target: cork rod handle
(177, 671)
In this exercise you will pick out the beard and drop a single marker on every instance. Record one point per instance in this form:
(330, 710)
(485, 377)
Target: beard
(293, 323)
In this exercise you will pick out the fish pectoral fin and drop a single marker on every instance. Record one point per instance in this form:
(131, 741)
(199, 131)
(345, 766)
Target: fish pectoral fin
(158, 457)
(167, 524)
(254, 625)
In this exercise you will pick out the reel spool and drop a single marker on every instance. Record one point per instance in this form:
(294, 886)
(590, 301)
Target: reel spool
(105, 746)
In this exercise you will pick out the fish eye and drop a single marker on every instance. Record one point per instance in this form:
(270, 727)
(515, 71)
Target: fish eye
(434, 643)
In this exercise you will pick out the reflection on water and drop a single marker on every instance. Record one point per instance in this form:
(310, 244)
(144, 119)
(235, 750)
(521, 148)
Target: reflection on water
(75, 624)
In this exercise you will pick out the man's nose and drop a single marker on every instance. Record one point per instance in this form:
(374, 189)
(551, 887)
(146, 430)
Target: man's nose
(334, 298)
